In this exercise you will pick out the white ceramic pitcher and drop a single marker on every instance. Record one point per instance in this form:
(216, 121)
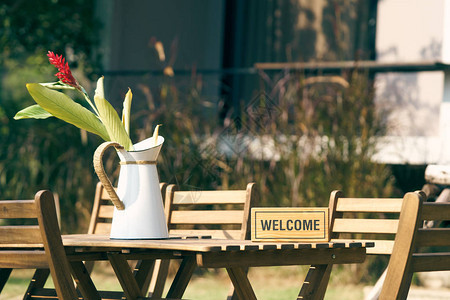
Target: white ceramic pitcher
(138, 211)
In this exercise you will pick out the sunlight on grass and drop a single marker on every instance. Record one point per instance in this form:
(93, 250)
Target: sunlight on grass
(270, 283)
(17, 284)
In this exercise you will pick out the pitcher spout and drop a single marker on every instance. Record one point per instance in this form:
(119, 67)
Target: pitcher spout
(146, 150)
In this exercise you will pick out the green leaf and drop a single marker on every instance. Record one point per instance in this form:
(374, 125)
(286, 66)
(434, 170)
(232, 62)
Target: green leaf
(126, 111)
(156, 133)
(111, 119)
(58, 85)
(33, 112)
(64, 108)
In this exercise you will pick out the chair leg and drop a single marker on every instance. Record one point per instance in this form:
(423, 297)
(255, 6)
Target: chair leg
(89, 265)
(38, 281)
(182, 278)
(159, 277)
(125, 276)
(316, 282)
(143, 272)
(232, 292)
(84, 281)
(241, 284)
(4, 276)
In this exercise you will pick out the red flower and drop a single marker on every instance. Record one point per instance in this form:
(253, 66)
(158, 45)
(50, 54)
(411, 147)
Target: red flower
(64, 74)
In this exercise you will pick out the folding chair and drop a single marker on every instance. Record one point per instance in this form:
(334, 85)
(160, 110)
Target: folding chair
(417, 247)
(357, 219)
(36, 246)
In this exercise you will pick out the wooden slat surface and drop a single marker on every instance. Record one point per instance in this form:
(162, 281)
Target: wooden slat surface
(20, 234)
(94, 241)
(433, 237)
(355, 243)
(23, 259)
(217, 234)
(17, 209)
(365, 226)
(436, 211)
(105, 195)
(86, 241)
(431, 262)
(102, 228)
(207, 217)
(393, 205)
(209, 197)
(379, 246)
(288, 257)
(106, 211)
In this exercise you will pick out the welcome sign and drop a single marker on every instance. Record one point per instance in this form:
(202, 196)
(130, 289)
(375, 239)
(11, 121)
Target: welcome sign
(290, 224)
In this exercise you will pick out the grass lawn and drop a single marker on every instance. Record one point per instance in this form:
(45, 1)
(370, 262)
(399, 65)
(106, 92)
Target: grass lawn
(272, 283)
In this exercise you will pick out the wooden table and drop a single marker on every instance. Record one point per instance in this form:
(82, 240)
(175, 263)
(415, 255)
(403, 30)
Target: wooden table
(234, 255)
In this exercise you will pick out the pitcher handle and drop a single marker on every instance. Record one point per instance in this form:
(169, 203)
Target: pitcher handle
(98, 167)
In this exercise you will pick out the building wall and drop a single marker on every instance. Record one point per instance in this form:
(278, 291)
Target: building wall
(417, 103)
(410, 31)
(190, 31)
(193, 34)
(194, 25)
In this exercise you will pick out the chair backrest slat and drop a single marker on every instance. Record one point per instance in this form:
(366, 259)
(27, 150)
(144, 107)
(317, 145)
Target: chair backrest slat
(427, 263)
(432, 237)
(106, 211)
(210, 212)
(209, 197)
(102, 228)
(24, 235)
(362, 219)
(20, 234)
(207, 217)
(365, 226)
(379, 205)
(15, 209)
(435, 211)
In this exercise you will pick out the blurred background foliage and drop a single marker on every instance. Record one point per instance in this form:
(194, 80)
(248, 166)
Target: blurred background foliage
(48, 153)
(298, 137)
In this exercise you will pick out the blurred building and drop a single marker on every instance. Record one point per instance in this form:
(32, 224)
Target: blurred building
(222, 40)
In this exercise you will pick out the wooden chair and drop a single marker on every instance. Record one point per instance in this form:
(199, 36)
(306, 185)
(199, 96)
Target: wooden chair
(219, 214)
(417, 248)
(150, 274)
(49, 252)
(357, 219)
